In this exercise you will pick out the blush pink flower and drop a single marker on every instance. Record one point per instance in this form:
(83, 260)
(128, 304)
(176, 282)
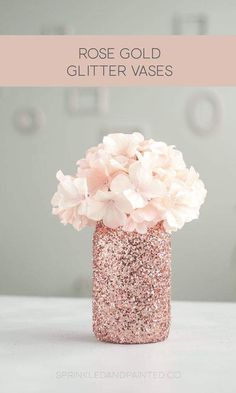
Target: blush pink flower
(71, 193)
(131, 183)
(123, 144)
(140, 227)
(177, 206)
(70, 189)
(163, 160)
(110, 207)
(139, 186)
(190, 178)
(142, 219)
(98, 168)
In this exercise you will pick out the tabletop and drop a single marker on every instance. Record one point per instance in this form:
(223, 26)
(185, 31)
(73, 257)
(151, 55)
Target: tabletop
(47, 345)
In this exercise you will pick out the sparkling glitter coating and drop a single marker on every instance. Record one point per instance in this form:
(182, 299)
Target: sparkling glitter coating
(131, 285)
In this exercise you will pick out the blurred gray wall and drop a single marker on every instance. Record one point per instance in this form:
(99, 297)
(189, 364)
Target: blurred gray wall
(38, 255)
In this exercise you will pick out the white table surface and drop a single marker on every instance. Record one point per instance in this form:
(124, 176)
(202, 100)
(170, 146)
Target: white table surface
(47, 345)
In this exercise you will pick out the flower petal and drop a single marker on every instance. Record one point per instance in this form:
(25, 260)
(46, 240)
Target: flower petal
(95, 209)
(153, 189)
(135, 199)
(82, 186)
(121, 183)
(104, 196)
(147, 213)
(113, 217)
(123, 203)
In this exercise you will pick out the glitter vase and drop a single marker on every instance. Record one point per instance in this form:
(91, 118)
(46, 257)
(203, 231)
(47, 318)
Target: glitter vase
(131, 285)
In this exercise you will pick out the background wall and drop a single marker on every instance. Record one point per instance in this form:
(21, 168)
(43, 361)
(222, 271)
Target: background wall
(44, 129)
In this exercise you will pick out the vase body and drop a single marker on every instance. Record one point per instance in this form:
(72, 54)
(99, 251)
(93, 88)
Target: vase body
(131, 285)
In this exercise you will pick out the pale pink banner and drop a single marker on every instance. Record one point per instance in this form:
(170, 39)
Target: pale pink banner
(117, 60)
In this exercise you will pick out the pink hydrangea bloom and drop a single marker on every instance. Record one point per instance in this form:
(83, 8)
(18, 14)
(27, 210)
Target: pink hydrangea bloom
(132, 183)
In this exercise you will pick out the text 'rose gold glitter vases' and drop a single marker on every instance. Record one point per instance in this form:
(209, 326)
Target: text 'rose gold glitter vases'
(131, 285)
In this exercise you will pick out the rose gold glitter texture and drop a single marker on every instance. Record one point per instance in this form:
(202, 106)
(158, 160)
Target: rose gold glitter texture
(131, 285)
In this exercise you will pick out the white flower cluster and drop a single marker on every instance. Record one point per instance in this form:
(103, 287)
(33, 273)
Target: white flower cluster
(132, 183)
